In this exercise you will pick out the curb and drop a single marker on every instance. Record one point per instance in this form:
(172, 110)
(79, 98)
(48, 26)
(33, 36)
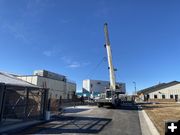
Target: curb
(147, 126)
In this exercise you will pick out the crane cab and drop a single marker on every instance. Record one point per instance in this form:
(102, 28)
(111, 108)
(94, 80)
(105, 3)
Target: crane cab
(111, 98)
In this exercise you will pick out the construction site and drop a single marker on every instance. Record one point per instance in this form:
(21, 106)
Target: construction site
(51, 80)
(46, 103)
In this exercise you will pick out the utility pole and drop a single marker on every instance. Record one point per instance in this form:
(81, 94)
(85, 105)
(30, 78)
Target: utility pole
(134, 87)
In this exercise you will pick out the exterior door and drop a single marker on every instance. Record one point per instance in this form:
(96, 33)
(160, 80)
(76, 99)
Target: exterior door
(176, 98)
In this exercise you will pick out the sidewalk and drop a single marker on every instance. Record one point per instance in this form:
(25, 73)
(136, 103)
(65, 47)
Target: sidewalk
(147, 127)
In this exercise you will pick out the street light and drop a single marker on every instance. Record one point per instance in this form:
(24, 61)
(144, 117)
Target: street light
(134, 87)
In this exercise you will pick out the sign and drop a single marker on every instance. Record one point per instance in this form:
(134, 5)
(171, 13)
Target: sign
(172, 128)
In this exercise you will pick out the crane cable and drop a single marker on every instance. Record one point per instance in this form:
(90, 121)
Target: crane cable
(92, 72)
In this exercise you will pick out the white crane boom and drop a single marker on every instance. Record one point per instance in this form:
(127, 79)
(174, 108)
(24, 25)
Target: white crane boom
(109, 56)
(114, 95)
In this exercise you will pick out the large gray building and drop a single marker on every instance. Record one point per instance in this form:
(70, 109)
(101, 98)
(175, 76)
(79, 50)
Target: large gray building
(98, 86)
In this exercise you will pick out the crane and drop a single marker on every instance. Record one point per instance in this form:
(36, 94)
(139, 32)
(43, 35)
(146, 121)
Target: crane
(109, 56)
(113, 95)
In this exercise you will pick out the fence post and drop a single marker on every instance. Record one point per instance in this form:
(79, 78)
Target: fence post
(45, 102)
(27, 103)
(2, 94)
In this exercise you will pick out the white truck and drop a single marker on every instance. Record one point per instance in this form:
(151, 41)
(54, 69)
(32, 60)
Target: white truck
(113, 95)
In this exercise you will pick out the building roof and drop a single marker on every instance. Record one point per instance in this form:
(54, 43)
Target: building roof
(105, 81)
(9, 79)
(45, 72)
(50, 75)
(157, 87)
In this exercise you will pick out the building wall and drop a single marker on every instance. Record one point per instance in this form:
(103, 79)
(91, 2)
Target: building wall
(56, 88)
(173, 90)
(86, 85)
(98, 86)
(71, 89)
(30, 79)
(167, 92)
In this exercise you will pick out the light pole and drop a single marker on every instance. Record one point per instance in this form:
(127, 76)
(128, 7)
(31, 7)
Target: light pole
(134, 87)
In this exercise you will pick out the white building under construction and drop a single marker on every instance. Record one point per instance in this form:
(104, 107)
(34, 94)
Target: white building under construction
(98, 86)
(59, 85)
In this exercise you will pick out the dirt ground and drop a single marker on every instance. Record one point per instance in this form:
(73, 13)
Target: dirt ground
(159, 113)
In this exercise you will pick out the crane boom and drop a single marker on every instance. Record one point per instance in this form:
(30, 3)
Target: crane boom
(114, 95)
(109, 55)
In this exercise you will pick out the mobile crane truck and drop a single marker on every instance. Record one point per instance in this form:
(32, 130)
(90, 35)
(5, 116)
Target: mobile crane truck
(112, 96)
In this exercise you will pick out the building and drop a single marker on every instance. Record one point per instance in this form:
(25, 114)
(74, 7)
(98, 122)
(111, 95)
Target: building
(59, 86)
(20, 100)
(162, 92)
(98, 86)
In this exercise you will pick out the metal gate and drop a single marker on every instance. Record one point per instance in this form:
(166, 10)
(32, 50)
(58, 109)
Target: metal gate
(24, 104)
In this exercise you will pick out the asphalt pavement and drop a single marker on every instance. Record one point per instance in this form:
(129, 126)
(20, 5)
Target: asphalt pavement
(91, 120)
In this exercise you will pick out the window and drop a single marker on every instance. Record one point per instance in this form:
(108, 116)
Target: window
(108, 94)
(163, 96)
(98, 82)
(155, 96)
(171, 96)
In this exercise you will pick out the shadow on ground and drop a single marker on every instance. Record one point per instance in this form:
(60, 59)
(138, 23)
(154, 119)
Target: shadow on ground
(69, 124)
(125, 107)
(74, 110)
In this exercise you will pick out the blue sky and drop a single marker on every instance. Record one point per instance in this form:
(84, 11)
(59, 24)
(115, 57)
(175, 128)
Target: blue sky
(66, 36)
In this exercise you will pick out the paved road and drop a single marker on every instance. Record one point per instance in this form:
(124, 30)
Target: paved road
(91, 120)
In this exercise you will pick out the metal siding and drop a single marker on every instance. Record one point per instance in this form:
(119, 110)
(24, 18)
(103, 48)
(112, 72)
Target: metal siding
(99, 87)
